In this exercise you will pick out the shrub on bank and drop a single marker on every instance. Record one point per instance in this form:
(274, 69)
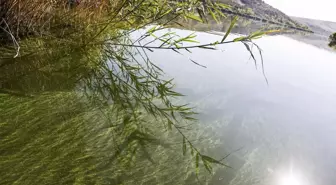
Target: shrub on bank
(332, 41)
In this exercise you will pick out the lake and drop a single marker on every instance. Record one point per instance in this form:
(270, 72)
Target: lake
(274, 128)
(283, 126)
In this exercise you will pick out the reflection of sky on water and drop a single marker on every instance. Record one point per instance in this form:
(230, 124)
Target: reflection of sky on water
(290, 120)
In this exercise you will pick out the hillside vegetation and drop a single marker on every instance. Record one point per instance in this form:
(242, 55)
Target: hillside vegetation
(260, 9)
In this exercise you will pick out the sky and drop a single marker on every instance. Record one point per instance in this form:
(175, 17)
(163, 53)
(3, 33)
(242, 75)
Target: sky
(315, 9)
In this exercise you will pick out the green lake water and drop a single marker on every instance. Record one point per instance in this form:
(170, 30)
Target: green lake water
(281, 132)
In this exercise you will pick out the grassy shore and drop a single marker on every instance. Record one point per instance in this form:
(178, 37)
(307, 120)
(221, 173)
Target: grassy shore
(22, 18)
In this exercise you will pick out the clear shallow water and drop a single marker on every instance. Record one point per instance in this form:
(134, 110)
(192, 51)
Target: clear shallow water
(287, 125)
(279, 134)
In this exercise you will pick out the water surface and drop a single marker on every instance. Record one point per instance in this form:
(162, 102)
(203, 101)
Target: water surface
(281, 132)
(285, 125)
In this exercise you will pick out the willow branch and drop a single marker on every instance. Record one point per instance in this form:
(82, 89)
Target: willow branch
(176, 48)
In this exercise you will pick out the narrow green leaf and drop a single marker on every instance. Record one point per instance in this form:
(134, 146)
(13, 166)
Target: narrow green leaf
(197, 63)
(213, 15)
(194, 17)
(225, 6)
(207, 47)
(150, 31)
(168, 82)
(191, 149)
(256, 34)
(149, 49)
(251, 53)
(197, 163)
(212, 160)
(188, 50)
(172, 114)
(272, 31)
(184, 146)
(220, 13)
(166, 41)
(173, 93)
(239, 39)
(190, 118)
(167, 12)
(201, 14)
(207, 166)
(233, 22)
(258, 37)
(177, 46)
(170, 123)
(262, 61)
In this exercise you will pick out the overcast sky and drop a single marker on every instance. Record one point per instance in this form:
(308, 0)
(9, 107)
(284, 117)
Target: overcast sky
(315, 9)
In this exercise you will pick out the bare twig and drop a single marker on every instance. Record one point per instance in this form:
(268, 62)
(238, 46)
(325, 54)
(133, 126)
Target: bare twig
(13, 38)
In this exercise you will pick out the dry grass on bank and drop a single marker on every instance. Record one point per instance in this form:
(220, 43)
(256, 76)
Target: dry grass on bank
(21, 18)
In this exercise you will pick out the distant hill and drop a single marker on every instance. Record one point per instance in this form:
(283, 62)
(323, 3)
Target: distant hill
(322, 30)
(319, 27)
(263, 10)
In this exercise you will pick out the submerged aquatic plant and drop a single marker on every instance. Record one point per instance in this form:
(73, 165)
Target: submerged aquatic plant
(88, 102)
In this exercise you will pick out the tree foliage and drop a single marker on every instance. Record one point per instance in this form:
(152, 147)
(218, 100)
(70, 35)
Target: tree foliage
(332, 41)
